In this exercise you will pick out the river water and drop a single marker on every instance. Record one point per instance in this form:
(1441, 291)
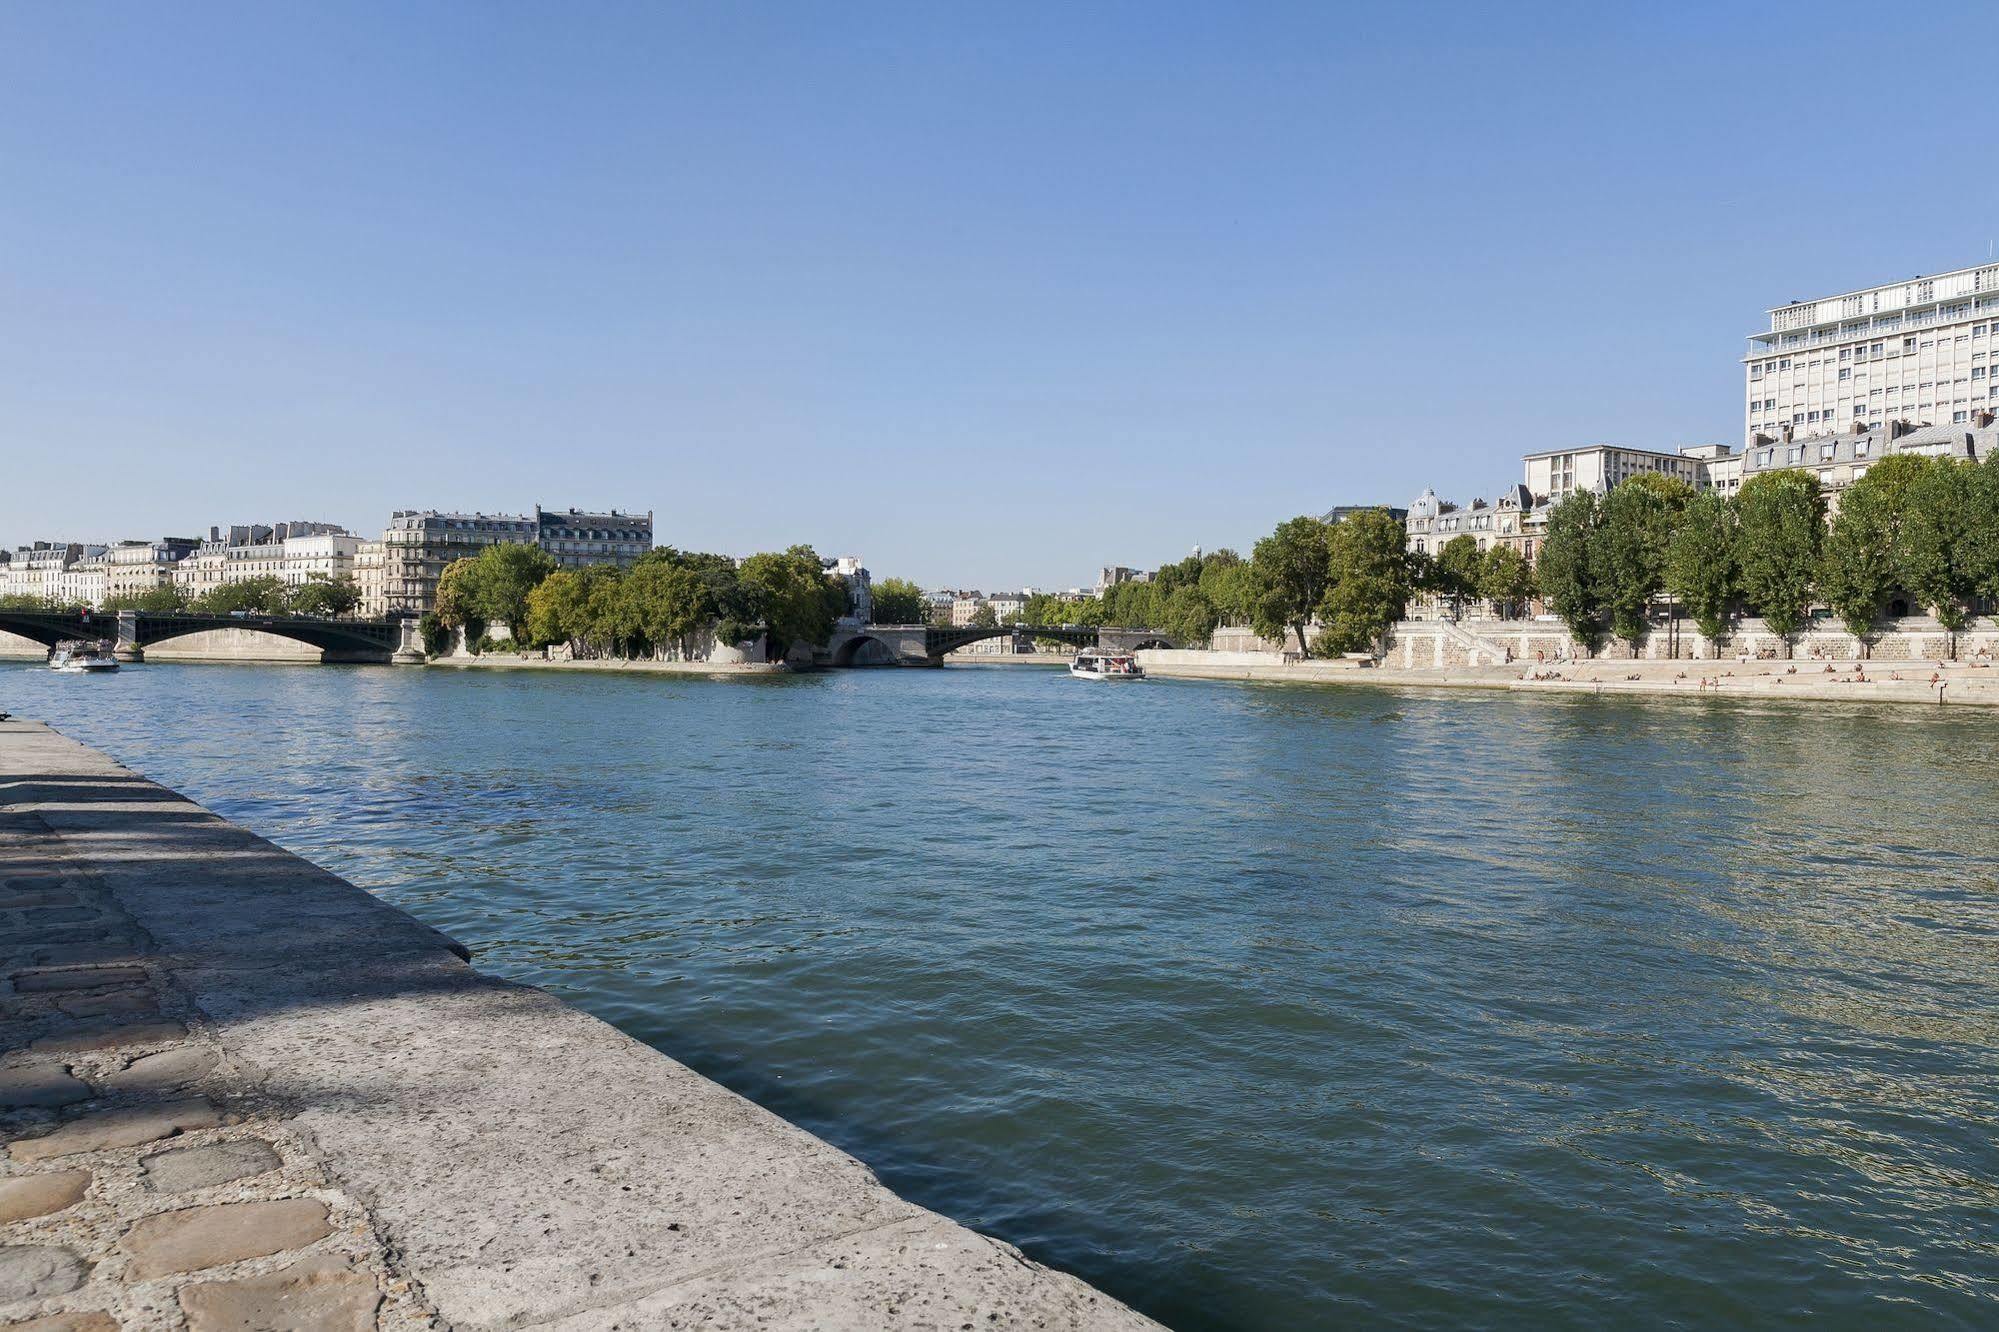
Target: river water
(1259, 1007)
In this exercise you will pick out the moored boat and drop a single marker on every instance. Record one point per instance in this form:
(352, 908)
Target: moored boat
(1102, 664)
(76, 654)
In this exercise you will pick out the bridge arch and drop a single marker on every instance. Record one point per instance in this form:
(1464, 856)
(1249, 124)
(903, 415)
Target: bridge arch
(863, 650)
(364, 636)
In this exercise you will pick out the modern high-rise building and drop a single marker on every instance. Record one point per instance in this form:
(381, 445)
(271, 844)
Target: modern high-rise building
(1921, 351)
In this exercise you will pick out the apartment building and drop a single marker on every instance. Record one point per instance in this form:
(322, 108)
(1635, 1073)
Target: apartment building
(133, 568)
(1555, 474)
(55, 572)
(369, 570)
(1432, 523)
(1839, 458)
(578, 539)
(419, 543)
(1921, 351)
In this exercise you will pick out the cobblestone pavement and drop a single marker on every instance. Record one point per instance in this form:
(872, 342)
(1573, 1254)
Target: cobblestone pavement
(145, 1185)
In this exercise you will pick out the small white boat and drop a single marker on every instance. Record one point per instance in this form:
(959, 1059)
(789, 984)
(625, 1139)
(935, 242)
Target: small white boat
(1102, 664)
(78, 655)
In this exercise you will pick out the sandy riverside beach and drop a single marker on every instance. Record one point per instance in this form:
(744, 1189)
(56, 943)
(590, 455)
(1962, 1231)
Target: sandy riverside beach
(1929, 682)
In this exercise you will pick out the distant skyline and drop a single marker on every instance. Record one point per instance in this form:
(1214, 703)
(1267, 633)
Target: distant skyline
(989, 297)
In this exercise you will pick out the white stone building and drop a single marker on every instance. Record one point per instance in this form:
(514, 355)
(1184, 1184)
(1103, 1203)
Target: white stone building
(326, 555)
(369, 569)
(1554, 474)
(56, 573)
(1921, 351)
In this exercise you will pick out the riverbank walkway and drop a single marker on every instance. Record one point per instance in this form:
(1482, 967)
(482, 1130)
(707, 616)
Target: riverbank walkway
(239, 1092)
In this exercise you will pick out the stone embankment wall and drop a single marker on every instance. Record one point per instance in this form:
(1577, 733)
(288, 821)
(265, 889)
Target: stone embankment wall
(238, 1091)
(232, 645)
(13, 647)
(1438, 644)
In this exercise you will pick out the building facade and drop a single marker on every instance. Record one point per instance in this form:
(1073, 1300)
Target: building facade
(1839, 458)
(577, 539)
(419, 543)
(134, 568)
(1920, 351)
(1555, 474)
(368, 575)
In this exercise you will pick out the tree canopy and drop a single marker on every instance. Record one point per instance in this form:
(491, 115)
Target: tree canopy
(899, 601)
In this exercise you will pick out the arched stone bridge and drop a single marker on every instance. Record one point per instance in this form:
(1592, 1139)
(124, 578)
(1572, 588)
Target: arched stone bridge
(133, 631)
(927, 644)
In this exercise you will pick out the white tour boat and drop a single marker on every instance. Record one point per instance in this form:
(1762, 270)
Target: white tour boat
(79, 655)
(1101, 664)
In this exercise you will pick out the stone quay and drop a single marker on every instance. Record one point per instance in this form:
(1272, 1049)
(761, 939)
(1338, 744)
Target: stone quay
(239, 1091)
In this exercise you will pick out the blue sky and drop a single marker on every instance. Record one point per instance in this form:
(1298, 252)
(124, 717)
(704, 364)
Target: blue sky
(987, 294)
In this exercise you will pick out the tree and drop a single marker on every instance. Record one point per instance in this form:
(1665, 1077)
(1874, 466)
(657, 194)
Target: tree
(1456, 573)
(1940, 539)
(1629, 551)
(1701, 562)
(557, 611)
(984, 616)
(1188, 616)
(899, 601)
(1228, 586)
(502, 576)
(1857, 571)
(1289, 569)
(166, 599)
(325, 596)
(1570, 581)
(1368, 584)
(1506, 579)
(263, 595)
(791, 597)
(1982, 552)
(456, 603)
(671, 604)
(1782, 518)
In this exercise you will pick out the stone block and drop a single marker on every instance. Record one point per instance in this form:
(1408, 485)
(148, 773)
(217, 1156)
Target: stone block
(197, 1237)
(186, 1168)
(60, 915)
(110, 1003)
(77, 978)
(117, 1128)
(68, 1322)
(92, 953)
(317, 1294)
(164, 1071)
(26, 1196)
(40, 1084)
(35, 1272)
(80, 1040)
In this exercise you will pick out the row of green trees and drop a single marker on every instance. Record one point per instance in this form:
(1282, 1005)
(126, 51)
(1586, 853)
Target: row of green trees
(319, 595)
(1186, 600)
(1353, 579)
(669, 603)
(1915, 529)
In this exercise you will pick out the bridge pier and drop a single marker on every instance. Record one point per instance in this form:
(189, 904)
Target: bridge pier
(127, 647)
(409, 644)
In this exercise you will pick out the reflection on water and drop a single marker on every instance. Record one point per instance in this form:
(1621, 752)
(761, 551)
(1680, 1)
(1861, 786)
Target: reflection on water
(1259, 1007)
